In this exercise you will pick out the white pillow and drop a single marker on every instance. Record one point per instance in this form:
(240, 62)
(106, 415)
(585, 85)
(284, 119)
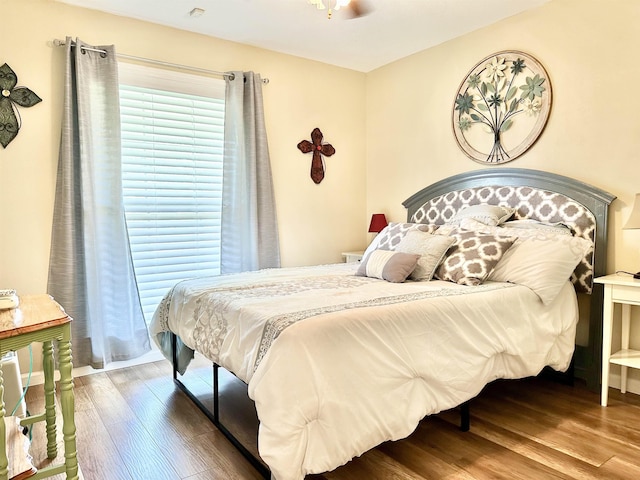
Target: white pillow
(558, 228)
(542, 258)
(542, 262)
(517, 228)
(488, 214)
(431, 248)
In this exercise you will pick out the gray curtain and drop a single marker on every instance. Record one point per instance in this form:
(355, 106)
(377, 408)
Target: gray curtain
(90, 270)
(249, 224)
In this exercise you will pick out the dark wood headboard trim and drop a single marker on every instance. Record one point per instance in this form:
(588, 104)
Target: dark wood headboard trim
(596, 200)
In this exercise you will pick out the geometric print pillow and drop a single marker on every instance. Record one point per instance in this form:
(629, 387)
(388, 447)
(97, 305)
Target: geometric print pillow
(472, 257)
(392, 235)
(531, 203)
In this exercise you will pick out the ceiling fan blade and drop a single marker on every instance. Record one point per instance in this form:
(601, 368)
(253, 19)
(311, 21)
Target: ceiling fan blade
(359, 8)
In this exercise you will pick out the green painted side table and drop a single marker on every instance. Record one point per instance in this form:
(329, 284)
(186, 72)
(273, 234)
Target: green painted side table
(39, 318)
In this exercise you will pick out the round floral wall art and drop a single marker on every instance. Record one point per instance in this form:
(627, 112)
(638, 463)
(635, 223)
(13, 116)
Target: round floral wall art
(501, 107)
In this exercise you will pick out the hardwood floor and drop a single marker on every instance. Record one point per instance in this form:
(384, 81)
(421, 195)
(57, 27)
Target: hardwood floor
(134, 424)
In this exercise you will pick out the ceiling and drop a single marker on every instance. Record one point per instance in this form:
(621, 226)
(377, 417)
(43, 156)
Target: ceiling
(392, 30)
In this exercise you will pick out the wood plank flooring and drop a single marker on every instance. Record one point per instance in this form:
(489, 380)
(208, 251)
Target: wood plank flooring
(135, 424)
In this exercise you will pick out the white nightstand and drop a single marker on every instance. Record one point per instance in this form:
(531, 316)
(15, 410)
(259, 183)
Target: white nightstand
(623, 289)
(350, 257)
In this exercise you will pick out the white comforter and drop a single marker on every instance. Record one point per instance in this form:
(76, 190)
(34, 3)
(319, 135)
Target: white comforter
(337, 364)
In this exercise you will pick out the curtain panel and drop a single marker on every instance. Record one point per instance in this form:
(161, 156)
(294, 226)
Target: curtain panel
(90, 270)
(249, 222)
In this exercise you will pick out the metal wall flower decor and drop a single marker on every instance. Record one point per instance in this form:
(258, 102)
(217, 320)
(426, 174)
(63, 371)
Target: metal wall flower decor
(10, 97)
(501, 107)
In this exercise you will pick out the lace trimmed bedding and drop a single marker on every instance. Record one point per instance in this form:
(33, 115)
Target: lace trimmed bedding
(328, 355)
(215, 309)
(213, 305)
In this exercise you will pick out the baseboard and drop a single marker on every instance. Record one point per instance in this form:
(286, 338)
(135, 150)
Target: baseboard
(37, 377)
(633, 384)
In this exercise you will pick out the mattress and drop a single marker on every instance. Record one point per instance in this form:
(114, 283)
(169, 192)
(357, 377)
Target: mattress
(337, 364)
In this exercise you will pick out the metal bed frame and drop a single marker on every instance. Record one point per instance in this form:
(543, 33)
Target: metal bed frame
(596, 200)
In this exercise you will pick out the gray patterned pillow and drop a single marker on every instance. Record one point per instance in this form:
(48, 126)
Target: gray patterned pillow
(472, 257)
(542, 258)
(392, 234)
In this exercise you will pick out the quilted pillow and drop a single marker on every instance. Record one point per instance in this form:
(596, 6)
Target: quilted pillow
(387, 265)
(487, 214)
(431, 249)
(472, 257)
(392, 234)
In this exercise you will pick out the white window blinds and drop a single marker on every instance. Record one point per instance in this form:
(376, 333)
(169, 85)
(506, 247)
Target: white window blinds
(172, 144)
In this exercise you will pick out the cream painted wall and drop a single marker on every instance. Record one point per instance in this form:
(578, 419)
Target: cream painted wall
(400, 114)
(317, 222)
(589, 49)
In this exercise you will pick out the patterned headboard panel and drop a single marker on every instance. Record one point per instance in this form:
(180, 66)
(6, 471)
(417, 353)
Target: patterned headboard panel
(530, 203)
(542, 196)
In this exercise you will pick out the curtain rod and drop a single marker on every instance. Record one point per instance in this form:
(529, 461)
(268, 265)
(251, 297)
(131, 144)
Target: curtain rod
(60, 43)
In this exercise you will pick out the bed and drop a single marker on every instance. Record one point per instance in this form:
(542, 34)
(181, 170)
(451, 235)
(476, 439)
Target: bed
(340, 358)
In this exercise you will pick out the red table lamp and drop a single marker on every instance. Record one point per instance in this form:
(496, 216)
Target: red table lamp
(378, 222)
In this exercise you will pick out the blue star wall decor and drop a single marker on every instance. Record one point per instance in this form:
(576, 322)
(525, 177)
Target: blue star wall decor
(10, 97)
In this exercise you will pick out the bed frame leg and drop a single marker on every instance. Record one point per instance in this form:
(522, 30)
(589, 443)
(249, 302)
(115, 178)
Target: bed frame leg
(464, 417)
(216, 410)
(174, 355)
(214, 416)
(570, 374)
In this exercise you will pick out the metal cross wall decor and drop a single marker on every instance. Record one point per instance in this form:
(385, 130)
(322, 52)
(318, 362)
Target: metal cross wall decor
(318, 149)
(10, 96)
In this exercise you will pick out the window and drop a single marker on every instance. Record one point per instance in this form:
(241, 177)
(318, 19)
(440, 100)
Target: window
(172, 145)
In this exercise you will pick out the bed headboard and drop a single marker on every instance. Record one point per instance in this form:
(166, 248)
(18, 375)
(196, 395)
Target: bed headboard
(535, 195)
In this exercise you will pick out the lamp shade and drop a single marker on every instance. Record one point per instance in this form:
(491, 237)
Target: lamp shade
(634, 218)
(378, 222)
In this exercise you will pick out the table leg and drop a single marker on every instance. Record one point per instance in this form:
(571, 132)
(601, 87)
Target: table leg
(49, 398)
(67, 403)
(607, 332)
(626, 324)
(4, 463)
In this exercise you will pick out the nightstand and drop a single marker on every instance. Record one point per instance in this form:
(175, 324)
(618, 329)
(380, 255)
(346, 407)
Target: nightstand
(625, 290)
(351, 257)
(38, 318)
